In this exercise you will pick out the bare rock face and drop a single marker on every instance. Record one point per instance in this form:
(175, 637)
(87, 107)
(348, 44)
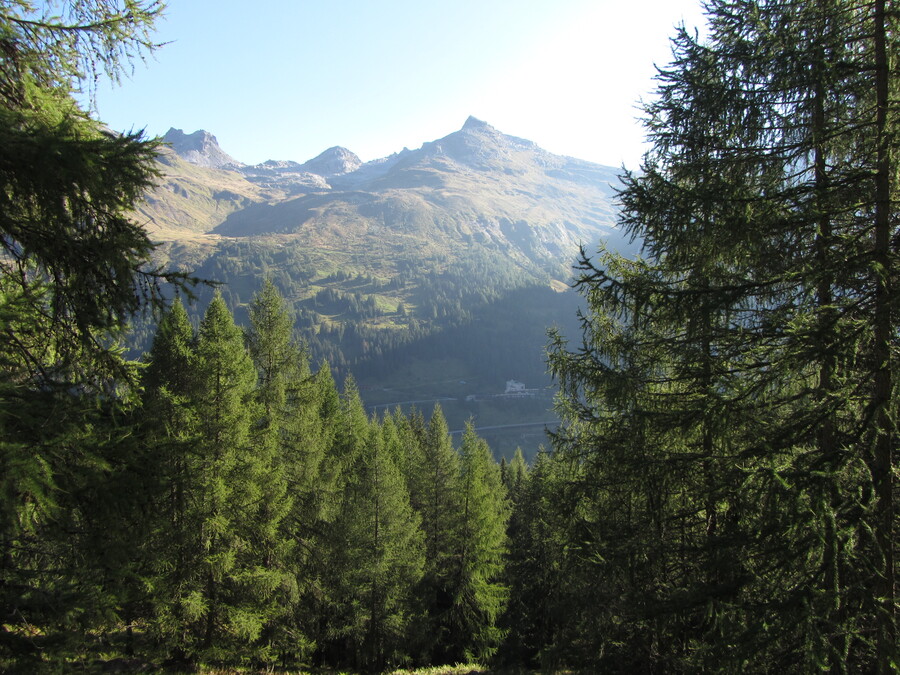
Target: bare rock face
(200, 148)
(286, 175)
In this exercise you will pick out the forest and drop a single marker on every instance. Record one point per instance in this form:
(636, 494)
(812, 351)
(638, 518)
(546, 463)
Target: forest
(720, 495)
(350, 321)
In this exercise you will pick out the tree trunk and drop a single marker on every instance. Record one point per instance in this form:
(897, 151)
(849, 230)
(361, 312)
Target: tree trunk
(882, 462)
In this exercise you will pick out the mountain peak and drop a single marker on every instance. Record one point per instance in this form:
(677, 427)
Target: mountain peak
(200, 148)
(475, 123)
(334, 161)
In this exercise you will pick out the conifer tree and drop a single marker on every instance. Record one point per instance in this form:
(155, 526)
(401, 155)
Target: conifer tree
(75, 268)
(545, 589)
(236, 591)
(725, 395)
(171, 424)
(411, 430)
(435, 494)
(282, 370)
(78, 266)
(323, 467)
(334, 561)
(217, 591)
(478, 594)
(390, 435)
(353, 429)
(315, 480)
(278, 359)
(380, 557)
(514, 474)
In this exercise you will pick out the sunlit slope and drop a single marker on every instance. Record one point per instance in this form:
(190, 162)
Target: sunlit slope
(475, 187)
(191, 200)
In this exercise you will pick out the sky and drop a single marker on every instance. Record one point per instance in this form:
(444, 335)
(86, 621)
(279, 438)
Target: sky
(287, 79)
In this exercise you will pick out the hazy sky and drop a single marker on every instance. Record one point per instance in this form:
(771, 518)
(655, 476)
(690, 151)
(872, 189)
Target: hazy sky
(286, 79)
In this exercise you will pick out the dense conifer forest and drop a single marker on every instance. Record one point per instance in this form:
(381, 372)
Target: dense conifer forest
(719, 498)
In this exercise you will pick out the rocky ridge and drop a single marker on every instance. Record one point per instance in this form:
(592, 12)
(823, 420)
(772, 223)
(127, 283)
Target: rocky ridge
(200, 148)
(474, 187)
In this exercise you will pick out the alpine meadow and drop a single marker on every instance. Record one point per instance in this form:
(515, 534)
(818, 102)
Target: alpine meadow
(473, 407)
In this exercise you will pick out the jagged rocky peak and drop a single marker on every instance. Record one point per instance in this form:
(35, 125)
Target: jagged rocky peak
(335, 161)
(200, 148)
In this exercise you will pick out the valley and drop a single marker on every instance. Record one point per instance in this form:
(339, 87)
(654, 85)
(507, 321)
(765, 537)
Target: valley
(412, 273)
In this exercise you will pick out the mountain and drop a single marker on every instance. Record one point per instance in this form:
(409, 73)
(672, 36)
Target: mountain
(431, 266)
(200, 148)
(335, 161)
(474, 187)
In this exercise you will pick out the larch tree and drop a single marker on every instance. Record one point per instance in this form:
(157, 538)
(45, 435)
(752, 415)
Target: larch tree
(731, 393)
(546, 591)
(75, 268)
(476, 581)
(77, 265)
(171, 424)
(232, 588)
(379, 562)
(282, 371)
(434, 491)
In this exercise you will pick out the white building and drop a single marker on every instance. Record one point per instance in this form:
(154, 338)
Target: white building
(514, 387)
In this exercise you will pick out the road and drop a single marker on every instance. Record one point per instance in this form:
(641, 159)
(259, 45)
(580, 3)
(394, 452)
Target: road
(510, 426)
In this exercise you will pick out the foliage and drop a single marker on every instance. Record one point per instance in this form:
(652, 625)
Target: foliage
(73, 269)
(729, 405)
(76, 267)
(479, 597)
(721, 493)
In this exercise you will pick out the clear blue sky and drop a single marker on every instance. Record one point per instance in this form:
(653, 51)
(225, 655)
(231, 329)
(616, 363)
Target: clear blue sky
(286, 79)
